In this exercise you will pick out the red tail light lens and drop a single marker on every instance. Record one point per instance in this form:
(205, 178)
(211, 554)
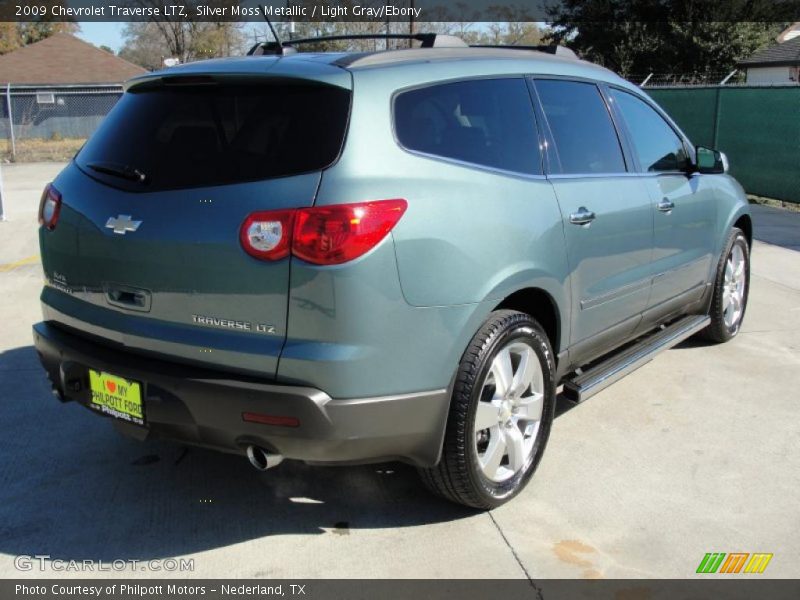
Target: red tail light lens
(49, 207)
(268, 234)
(331, 235)
(323, 235)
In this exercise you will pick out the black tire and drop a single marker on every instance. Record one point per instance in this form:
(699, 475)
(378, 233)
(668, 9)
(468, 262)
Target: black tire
(458, 477)
(718, 330)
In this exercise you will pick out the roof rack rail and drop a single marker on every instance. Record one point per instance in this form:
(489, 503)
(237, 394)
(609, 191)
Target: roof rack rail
(555, 49)
(428, 40)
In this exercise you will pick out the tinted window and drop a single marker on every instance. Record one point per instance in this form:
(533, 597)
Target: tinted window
(191, 136)
(657, 146)
(585, 137)
(488, 122)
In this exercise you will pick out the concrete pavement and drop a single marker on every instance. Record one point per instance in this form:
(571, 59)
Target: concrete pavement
(698, 451)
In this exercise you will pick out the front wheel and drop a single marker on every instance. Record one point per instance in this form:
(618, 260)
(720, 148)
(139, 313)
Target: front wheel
(731, 288)
(500, 413)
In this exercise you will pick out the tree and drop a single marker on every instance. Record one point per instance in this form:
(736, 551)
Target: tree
(9, 37)
(108, 49)
(509, 33)
(149, 43)
(36, 31)
(672, 37)
(15, 35)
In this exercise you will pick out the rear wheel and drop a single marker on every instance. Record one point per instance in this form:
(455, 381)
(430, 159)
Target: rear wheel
(500, 414)
(731, 288)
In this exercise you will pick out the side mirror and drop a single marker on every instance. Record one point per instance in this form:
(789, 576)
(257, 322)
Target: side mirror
(711, 161)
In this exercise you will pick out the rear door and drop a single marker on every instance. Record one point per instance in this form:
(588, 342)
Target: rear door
(147, 253)
(606, 213)
(684, 210)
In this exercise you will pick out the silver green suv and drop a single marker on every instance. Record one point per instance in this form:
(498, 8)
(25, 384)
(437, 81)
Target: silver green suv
(397, 255)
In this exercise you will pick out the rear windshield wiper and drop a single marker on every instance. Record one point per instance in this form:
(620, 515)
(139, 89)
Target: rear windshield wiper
(117, 170)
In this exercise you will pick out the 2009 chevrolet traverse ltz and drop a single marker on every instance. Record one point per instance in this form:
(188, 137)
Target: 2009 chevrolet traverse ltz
(397, 255)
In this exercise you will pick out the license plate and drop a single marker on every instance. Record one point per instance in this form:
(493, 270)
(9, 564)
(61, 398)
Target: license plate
(116, 396)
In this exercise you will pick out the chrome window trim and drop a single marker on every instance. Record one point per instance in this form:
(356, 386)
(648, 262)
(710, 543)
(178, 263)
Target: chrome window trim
(470, 165)
(591, 175)
(614, 175)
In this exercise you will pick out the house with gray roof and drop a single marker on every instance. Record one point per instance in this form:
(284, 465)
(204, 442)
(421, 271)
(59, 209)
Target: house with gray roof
(775, 65)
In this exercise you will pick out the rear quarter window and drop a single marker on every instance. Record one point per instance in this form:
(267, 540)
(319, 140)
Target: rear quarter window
(206, 135)
(486, 122)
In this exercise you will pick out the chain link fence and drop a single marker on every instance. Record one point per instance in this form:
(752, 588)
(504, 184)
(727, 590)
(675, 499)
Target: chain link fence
(51, 123)
(655, 80)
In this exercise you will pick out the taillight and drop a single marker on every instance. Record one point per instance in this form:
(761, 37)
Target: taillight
(49, 207)
(331, 235)
(322, 235)
(268, 234)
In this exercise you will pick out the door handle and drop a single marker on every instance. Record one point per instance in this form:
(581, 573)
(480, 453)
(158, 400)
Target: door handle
(665, 205)
(582, 217)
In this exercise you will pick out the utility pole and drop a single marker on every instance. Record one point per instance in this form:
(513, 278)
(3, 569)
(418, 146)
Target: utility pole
(11, 122)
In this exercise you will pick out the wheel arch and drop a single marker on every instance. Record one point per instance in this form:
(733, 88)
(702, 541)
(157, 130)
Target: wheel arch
(540, 305)
(745, 223)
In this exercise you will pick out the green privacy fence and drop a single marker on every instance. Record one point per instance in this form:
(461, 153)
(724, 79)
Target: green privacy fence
(757, 127)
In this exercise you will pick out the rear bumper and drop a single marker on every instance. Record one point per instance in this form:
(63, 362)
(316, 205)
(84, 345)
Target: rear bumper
(202, 407)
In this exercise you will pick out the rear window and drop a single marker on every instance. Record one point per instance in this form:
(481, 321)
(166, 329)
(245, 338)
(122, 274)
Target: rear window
(488, 122)
(169, 137)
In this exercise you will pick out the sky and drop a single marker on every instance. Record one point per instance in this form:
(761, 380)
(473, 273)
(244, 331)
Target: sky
(102, 34)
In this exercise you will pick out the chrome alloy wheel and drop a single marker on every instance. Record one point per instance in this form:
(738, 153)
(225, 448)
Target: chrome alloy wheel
(509, 412)
(733, 287)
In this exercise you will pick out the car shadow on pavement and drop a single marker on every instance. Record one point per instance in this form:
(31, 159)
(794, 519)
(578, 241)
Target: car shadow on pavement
(72, 488)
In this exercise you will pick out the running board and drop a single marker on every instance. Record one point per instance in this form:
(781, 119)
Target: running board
(618, 366)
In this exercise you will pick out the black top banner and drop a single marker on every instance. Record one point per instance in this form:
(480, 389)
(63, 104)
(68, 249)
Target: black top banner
(400, 10)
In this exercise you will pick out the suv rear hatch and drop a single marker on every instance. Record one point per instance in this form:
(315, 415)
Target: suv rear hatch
(146, 252)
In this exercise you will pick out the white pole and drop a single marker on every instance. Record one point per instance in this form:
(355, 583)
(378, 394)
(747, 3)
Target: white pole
(731, 74)
(646, 79)
(2, 210)
(11, 122)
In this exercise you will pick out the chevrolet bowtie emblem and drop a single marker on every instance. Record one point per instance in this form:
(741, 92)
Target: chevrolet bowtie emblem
(122, 223)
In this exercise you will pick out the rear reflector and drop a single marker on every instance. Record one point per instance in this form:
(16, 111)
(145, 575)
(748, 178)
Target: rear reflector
(49, 207)
(270, 419)
(321, 235)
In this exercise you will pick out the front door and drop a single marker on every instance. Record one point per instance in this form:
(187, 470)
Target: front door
(684, 211)
(606, 214)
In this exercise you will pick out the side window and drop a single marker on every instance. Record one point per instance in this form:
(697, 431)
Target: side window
(656, 144)
(584, 134)
(488, 122)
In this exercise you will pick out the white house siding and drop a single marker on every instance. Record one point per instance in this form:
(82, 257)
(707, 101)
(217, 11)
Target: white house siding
(772, 75)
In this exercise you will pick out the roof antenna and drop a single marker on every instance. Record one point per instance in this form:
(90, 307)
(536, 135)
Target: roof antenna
(278, 42)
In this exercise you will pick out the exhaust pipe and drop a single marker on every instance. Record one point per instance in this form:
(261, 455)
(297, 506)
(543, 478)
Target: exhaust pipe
(261, 459)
